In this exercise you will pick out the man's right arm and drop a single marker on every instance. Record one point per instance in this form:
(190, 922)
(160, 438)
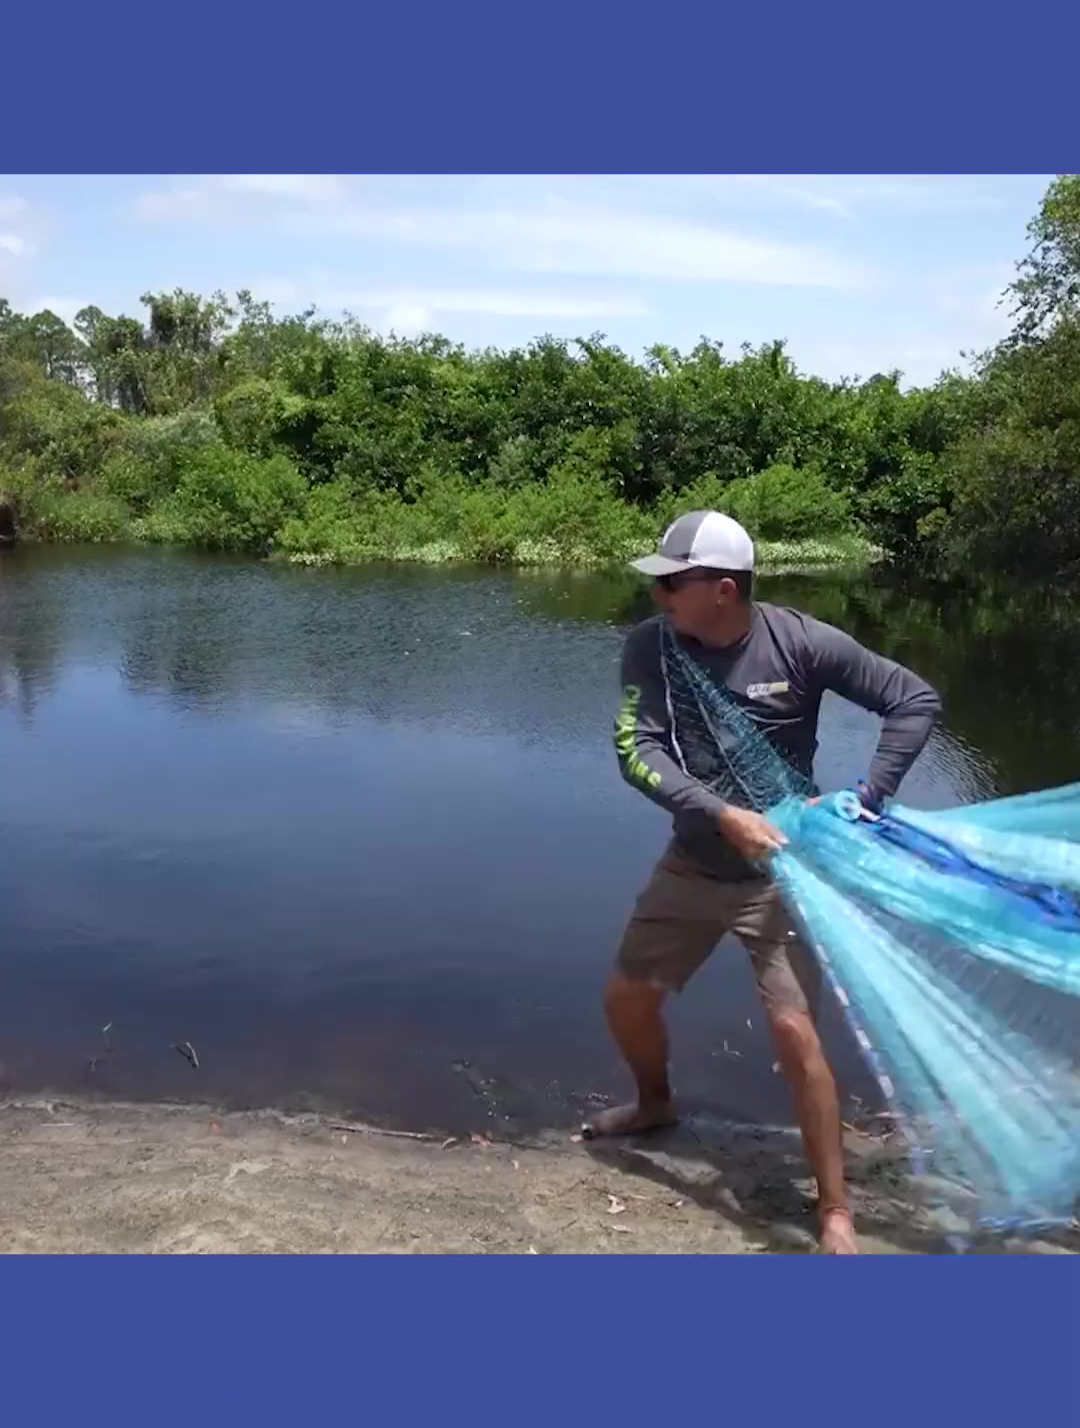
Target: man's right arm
(643, 734)
(644, 746)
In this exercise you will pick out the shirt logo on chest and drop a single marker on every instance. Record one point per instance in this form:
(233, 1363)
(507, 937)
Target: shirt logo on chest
(763, 691)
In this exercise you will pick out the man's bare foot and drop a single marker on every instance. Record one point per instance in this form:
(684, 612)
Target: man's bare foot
(837, 1232)
(631, 1120)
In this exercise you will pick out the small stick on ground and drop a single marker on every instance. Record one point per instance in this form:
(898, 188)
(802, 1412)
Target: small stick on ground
(381, 1130)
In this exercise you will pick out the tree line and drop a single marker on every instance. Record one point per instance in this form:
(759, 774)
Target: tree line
(213, 423)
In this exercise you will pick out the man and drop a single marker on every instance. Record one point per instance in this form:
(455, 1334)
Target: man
(776, 664)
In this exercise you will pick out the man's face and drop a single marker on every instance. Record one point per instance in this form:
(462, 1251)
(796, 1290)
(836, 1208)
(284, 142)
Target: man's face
(692, 598)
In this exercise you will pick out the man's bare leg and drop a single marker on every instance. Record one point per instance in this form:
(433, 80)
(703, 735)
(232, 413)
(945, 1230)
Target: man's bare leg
(633, 1010)
(818, 1109)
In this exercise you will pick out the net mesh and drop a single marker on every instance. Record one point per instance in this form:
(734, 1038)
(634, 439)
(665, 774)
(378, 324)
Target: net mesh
(952, 942)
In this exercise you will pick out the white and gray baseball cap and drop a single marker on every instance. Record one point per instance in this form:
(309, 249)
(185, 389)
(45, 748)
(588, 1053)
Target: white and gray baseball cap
(700, 540)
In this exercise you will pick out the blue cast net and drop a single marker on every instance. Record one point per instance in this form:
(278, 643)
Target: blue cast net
(952, 942)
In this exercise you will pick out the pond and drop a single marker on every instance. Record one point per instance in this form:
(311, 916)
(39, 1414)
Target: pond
(359, 836)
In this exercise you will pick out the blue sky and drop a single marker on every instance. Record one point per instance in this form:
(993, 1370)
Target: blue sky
(859, 273)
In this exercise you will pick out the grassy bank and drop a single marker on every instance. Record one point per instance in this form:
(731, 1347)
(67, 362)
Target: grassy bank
(774, 557)
(202, 495)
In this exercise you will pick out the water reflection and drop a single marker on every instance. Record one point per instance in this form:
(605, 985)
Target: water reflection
(30, 639)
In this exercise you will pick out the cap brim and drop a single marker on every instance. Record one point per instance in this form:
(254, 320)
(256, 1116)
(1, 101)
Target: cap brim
(661, 565)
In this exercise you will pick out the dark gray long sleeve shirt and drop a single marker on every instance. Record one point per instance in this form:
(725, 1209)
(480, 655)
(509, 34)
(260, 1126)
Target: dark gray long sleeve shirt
(777, 673)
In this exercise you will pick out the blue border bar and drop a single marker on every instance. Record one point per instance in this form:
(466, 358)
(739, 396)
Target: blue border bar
(563, 88)
(982, 1340)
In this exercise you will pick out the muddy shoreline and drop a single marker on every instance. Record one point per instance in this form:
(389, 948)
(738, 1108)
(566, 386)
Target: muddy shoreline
(80, 1176)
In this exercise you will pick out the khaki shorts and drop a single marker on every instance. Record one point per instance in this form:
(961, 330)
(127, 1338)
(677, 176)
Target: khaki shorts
(684, 911)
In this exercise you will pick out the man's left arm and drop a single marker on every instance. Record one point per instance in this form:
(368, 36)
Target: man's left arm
(907, 704)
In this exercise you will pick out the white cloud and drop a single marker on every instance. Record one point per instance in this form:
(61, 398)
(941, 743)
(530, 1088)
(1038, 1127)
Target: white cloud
(848, 194)
(283, 292)
(239, 197)
(975, 290)
(295, 718)
(570, 225)
(856, 359)
(975, 309)
(16, 248)
(498, 303)
(190, 201)
(408, 319)
(814, 198)
(567, 237)
(920, 357)
(922, 193)
(408, 315)
(951, 314)
(307, 188)
(746, 190)
(64, 307)
(490, 302)
(845, 195)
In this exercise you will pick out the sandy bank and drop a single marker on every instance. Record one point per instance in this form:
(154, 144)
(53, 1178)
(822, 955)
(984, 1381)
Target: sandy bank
(124, 1178)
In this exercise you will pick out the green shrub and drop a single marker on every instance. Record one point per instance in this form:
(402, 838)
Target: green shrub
(785, 502)
(262, 417)
(908, 511)
(76, 516)
(579, 515)
(706, 493)
(227, 500)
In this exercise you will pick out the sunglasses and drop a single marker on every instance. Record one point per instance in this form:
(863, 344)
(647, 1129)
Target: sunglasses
(682, 578)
